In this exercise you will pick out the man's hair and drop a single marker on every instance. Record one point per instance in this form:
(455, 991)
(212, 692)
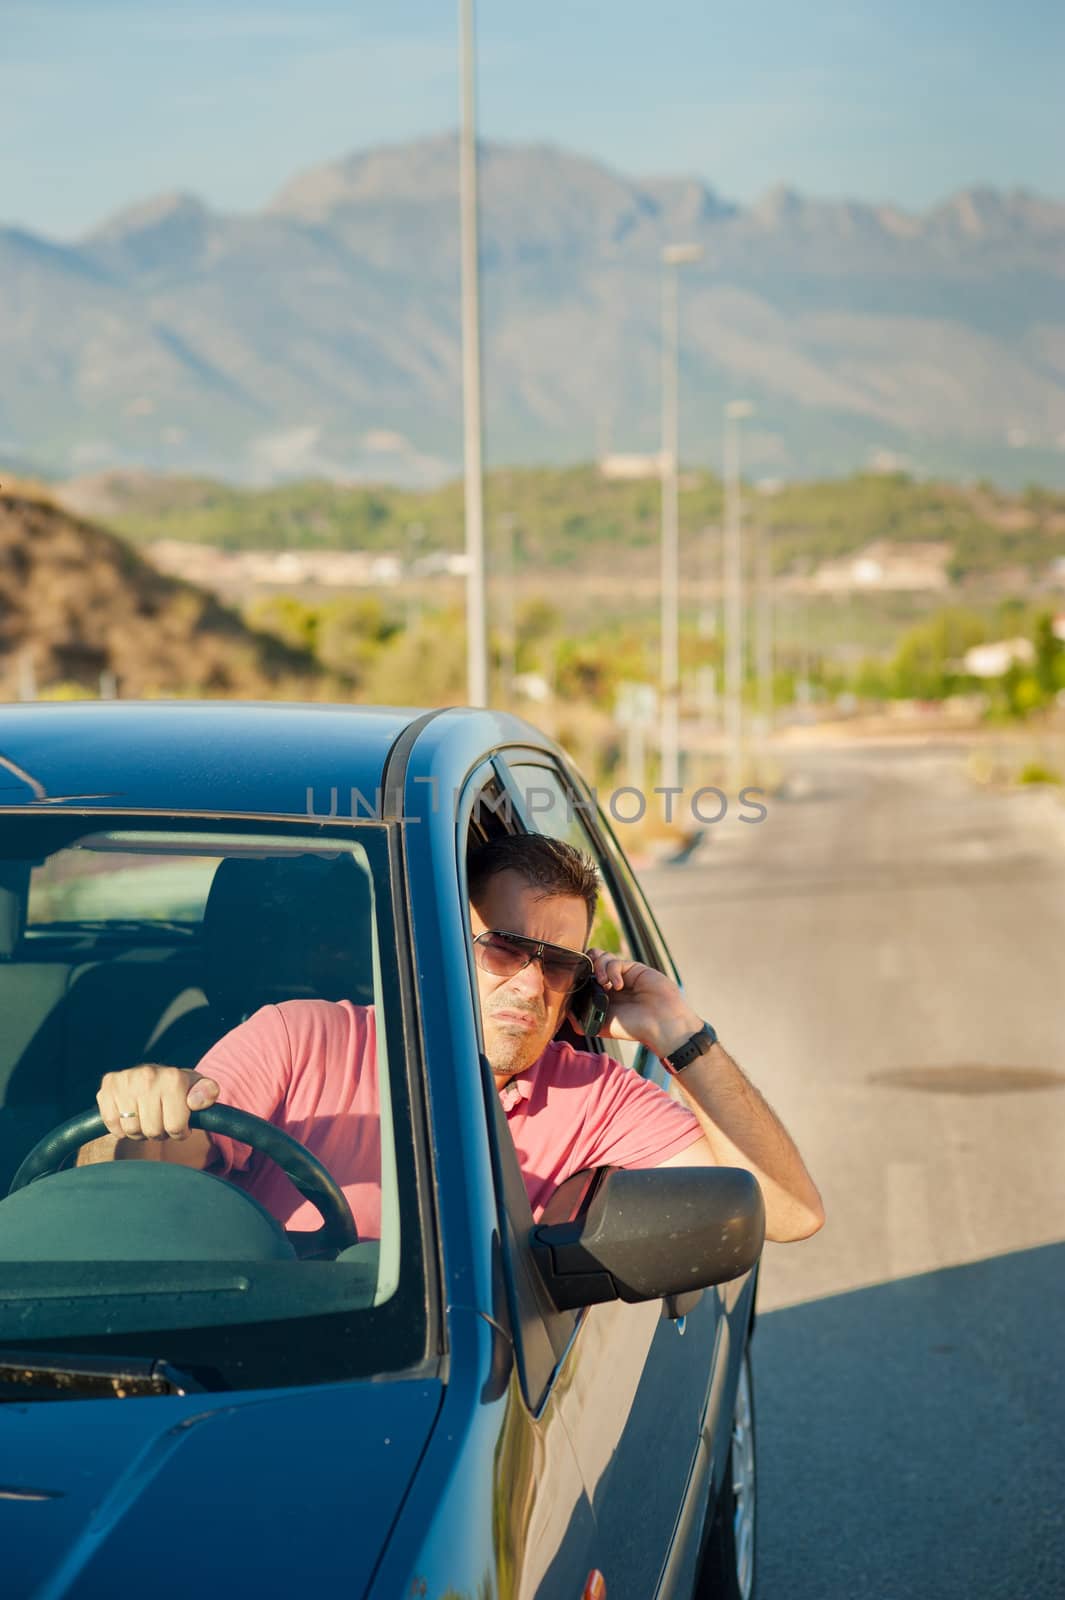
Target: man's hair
(550, 865)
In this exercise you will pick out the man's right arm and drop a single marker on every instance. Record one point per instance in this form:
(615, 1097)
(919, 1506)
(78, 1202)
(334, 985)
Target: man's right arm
(146, 1111)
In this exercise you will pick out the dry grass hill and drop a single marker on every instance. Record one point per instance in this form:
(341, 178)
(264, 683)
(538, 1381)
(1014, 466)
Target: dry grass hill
(76, 602)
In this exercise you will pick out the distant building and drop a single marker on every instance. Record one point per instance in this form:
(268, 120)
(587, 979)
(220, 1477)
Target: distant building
(886, 564)
(630, 467)
(212, 568)
(442, 564)
(993, 659)
(532, 686)
(888, 462)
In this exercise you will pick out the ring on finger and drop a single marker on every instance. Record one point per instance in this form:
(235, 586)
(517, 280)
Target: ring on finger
(127, 1116)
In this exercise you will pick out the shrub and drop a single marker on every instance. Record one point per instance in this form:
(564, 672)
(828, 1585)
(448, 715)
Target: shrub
(1036, 772)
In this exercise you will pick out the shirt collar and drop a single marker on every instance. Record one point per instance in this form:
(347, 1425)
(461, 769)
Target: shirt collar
(515, 1090)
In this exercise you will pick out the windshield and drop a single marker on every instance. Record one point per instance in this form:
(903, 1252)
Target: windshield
(265, 960)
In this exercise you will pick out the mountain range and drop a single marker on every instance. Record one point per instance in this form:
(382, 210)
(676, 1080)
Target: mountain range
(320, 335)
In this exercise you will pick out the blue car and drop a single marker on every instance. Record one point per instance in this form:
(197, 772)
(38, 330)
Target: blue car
(475, 1403)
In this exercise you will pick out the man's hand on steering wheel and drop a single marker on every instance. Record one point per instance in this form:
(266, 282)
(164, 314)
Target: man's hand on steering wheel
(153, 1102)
(166, 1100)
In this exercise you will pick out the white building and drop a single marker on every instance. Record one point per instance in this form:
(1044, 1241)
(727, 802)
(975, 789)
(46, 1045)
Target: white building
(993, 659)
(629, 468)
(887, 564)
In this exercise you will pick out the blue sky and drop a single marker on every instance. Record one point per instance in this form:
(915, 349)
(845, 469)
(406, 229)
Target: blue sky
(106, 101)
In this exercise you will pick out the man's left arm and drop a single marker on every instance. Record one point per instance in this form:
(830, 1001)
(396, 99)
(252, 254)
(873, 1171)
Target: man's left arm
(740, 1129)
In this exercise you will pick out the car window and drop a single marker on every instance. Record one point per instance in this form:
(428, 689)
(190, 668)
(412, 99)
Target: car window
(273, 953)
(550, 807)
(83, 883)
(656, 951)
(541, 1332)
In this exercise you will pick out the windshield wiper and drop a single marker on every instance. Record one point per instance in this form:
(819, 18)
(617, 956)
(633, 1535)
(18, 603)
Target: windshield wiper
(116, 925)
(30, 1375)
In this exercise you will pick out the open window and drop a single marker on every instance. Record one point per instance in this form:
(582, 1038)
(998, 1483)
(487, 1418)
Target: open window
(542, 1333)
(547, 804)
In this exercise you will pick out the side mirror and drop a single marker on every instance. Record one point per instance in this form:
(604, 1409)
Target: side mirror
(645, 1234)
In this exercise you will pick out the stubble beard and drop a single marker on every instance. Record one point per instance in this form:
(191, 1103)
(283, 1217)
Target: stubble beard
(512, 1051)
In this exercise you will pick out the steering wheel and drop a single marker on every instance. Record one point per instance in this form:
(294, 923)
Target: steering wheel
(314, 1182)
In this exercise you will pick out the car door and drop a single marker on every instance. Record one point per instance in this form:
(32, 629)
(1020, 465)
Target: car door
(635, 1387)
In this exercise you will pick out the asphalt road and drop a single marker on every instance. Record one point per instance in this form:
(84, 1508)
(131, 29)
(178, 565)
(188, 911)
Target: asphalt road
(885, 955)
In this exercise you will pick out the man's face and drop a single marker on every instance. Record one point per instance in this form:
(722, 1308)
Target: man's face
(519, 1014)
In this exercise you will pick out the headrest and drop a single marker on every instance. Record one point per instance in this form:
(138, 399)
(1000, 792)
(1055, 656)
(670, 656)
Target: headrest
(14, 894)
(287, 928)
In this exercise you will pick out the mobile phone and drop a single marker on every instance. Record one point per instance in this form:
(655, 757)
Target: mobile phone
(588, 1008)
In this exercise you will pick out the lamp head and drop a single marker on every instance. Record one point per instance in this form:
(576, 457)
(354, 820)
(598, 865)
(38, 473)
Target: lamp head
(681, 255)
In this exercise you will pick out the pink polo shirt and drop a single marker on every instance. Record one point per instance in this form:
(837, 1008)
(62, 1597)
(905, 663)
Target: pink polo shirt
(310, 1067)
(576, 1109)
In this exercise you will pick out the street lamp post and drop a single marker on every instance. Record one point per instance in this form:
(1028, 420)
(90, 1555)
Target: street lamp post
(674, 256)
(476, 617)
(765, 628)
(507, 611)
(735, 412)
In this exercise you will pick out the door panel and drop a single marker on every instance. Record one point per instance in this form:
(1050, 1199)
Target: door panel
(632, 1395)
(545, 1535)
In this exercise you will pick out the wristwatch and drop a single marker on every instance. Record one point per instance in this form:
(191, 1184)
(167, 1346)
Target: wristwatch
(692, 1049)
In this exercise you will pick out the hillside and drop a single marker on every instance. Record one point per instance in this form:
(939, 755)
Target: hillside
(575, 521)
(320, 335)
(77, 602)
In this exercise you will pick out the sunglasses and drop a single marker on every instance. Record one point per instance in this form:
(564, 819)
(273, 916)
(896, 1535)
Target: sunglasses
(504, 955)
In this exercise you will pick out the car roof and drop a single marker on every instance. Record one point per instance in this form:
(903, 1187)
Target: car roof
(193, 756)
(259, 759)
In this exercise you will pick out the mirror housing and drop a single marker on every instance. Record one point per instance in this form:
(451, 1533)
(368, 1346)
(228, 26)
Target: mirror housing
(641, 1235)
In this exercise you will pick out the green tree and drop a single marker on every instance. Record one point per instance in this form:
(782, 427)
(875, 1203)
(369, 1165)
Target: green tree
(421, 665)
(351, 632)
(927, 664)
(872, 681)
(535, 622)
(292, 621)
(1049, 651)
(1027, 694)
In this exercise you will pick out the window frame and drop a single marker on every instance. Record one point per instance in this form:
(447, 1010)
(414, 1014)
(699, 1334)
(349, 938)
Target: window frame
(543, 1337)
(541, 1334)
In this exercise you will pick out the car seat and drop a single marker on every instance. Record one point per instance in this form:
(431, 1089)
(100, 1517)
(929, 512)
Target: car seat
(285, 928)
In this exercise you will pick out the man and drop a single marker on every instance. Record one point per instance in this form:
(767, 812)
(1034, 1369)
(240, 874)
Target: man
(310, 1066)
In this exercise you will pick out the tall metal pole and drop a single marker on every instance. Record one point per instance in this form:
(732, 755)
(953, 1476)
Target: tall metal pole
(476, 617)
(669, 654)
(735, 411)
(673, 257)
(709, 631)
(765, 628)
(507, 611)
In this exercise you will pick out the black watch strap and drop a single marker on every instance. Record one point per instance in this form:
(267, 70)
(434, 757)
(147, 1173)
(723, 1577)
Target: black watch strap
(692, 1049)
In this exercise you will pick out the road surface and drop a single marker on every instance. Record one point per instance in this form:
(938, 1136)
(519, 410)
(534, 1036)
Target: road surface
(885, 954)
